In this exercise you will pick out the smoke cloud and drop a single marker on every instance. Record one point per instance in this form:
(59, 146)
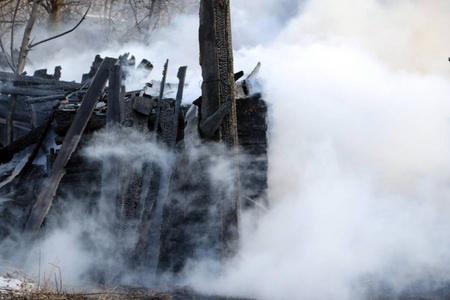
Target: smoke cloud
(359, 142)
(358, 167)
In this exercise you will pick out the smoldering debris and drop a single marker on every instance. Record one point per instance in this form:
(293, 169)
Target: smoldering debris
(133, 202)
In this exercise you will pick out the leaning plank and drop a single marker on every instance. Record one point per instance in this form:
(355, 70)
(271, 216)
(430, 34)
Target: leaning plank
(71, 140)
(22, 79)
(7, 153)
(26, 162)
(16, 171)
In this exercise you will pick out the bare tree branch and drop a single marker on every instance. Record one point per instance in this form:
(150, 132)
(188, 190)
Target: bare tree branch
(12, 31)
(8, 59)
(64, 33)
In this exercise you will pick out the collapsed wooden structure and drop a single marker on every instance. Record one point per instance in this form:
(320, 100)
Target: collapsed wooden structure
(146, 200)
(174, 211)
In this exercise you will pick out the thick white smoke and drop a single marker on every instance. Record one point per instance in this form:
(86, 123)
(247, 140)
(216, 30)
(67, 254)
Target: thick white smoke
(359, 169)
(359, 165)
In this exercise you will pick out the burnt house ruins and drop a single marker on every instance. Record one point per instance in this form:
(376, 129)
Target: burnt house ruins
(172, 209)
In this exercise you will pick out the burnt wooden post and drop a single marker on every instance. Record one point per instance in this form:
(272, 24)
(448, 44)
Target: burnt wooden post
(181, 76)
(216, 59)
(114, 94)
(111, 170)
(161, 95)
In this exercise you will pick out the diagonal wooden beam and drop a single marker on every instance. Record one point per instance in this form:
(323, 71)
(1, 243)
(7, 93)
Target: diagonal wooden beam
(71, 140)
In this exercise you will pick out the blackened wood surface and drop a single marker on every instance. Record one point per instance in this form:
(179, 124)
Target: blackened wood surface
(46, 98)
(181, 76)
(161, 95)
(216, 59)
(65, 118)
(144, 105)
(115, 85)
(252, 129)
(110, 165)
(71, 140)
(30, 80)
(7, 153)
(27, 91)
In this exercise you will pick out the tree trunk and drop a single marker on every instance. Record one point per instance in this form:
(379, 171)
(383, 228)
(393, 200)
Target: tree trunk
(24, 49)
(55, 14)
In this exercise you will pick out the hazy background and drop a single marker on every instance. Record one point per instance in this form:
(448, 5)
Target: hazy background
(359, 168)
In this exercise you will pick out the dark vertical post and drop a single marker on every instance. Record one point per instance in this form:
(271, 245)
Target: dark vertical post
(110, 172)
(114, 94)
(161, 95)
(216, 59)
(181, 76)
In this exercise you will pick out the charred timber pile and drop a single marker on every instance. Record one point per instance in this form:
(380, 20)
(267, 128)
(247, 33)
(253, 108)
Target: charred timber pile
(36, 96)
(146, 198)
(160, 214)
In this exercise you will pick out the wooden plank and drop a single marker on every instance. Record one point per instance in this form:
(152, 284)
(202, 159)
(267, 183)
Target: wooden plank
(161, 95)
(71, 140)
(144, 68)
(181, 77)
(143, 105)
(25, 91)
(8, 152)
(126, 111)
(45, 87)
(114, 92)
(23, 79)
(17, 124)
(164, 183)
(16, 171)
(46, 98)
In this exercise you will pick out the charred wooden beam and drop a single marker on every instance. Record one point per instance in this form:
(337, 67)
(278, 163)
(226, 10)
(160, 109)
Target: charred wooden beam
(86, 78)
(28, 91)
(169, 120)
(181, 77)
(71, 140)
(114, 94)
(43, 73)
(216, 59)
(161, 95)
(46, 98)
(145, 67)
(8, 152)
(17, 170)
(17, 124)
(144, 105)
(30, 80)
(218, 88)
(110, 170)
